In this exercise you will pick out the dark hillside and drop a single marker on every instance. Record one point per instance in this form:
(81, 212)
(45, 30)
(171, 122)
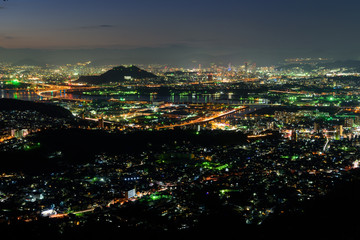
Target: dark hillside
(117, 74)
(50, 110)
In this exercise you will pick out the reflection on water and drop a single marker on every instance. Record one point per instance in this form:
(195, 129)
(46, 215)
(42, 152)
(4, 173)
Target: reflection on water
(21, 95)
(176, 98)
(173, 97)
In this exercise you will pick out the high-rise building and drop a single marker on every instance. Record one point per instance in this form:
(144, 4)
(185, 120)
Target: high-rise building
(294, 135)
(357, 120)
(339, 132)
(101, 123)
(316, 127)
(130, 193)
(349, 122)
(270, 125)
(19, 133)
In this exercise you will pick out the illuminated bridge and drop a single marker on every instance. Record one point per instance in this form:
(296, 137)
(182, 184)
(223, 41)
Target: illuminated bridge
(202, 119)
(54, 88)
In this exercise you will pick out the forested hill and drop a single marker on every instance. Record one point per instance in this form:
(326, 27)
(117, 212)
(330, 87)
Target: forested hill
(117, 74)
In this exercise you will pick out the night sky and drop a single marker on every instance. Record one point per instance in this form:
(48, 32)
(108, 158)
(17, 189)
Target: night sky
(262, 30)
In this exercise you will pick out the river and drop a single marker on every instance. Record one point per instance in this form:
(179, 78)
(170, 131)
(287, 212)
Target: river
(175, 98)
(21, 95)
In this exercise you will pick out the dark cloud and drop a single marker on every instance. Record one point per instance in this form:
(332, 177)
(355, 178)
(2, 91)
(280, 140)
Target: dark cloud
(106, 26)
(98, 26)
(7, 37)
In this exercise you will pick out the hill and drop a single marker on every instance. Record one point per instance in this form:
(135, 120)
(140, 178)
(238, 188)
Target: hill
(347, 66)
(117, 74)
(50, 110)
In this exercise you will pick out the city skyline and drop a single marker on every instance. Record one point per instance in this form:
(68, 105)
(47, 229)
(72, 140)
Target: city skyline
(204, 31)
(179, 119)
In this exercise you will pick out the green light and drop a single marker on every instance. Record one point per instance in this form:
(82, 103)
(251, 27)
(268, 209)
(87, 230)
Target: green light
(213, 166)
(157, 196)
(222, 167)
(224, 191)
(15, 82)
(31, 146)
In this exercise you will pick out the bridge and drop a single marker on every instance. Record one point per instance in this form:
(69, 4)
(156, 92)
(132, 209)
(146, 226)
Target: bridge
(288, 91)
(262, 104)
(203, 119)
(55, 88)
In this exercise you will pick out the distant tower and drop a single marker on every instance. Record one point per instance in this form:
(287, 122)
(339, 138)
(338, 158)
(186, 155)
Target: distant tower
(341, 131)
(246, 68)
(294, 135)
(338, 132)
(253, 68)
(101, 123)
(316, 127)
(229, 67)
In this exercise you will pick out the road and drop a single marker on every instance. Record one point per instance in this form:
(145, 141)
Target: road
(202, 120)
(62, 215)
(326, 144)
(55, 88)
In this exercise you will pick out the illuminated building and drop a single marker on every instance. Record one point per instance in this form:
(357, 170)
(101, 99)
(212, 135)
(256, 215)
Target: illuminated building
(131, 193)
(270, 125)
(316, 127)
(101, 123)
(19, 133)
(294, 135)
(349, 122)
(338, 132)
(357, 120)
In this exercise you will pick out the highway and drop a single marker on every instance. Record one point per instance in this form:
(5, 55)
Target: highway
(326, 144)
(55, 88)
(62, 215)
(202, 120)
